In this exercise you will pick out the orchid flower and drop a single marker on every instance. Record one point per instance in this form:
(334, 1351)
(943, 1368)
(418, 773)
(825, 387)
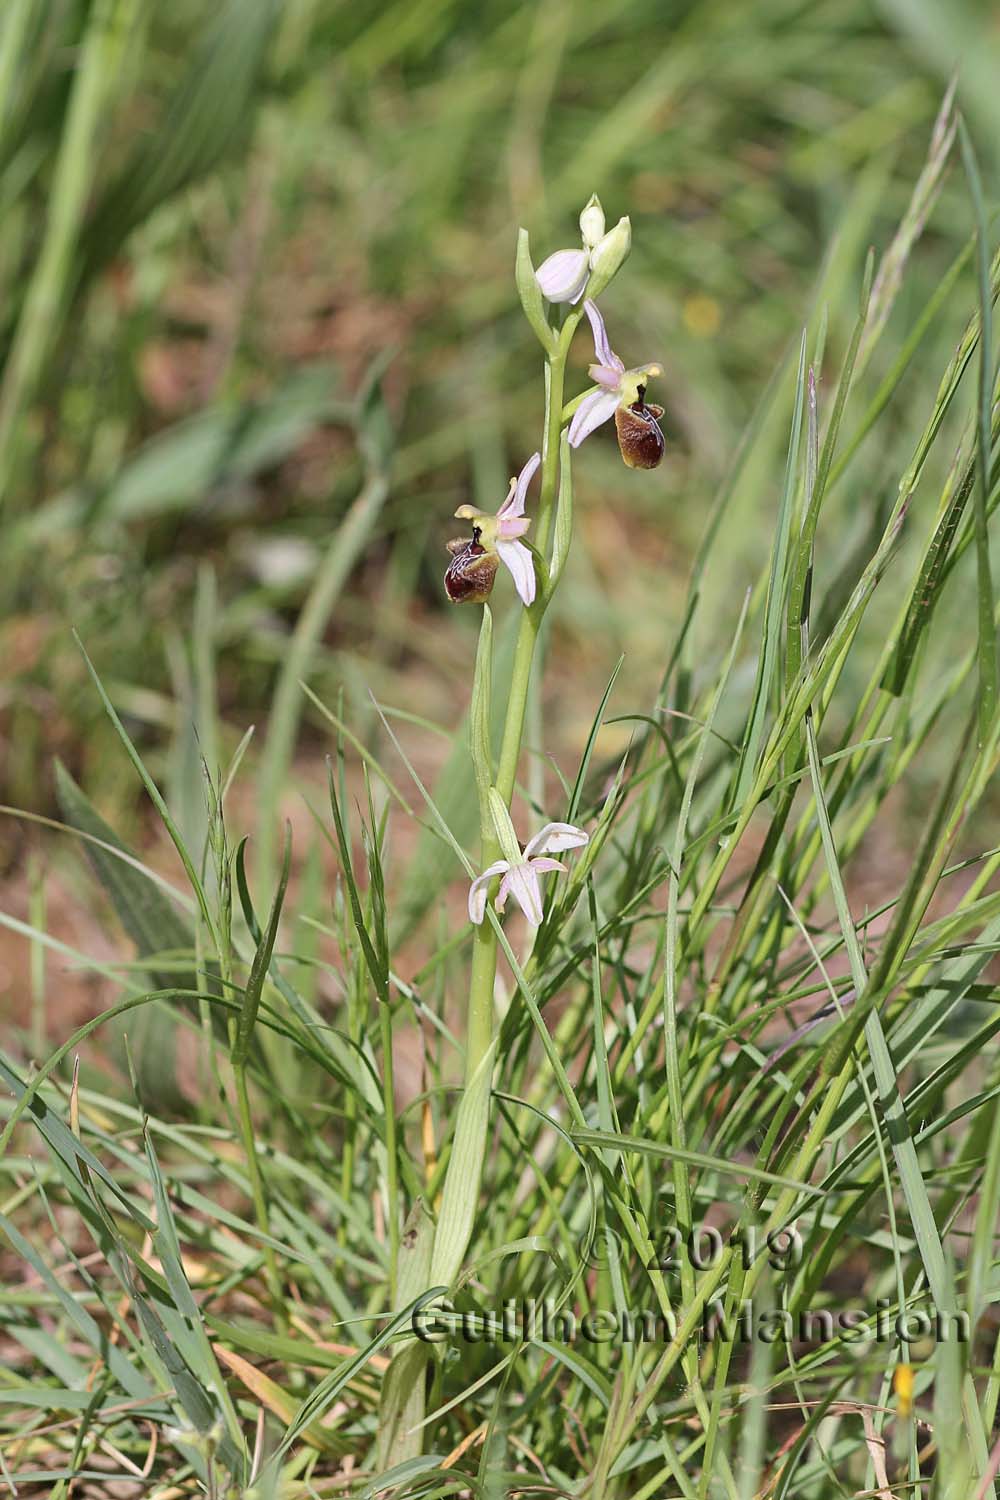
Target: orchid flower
(621, 394)
(563, 277)
(495, 540)
(520, 870)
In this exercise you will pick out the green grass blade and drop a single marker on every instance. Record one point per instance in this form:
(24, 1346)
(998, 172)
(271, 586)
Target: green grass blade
(154, 793)
(987, 652)
(107, 26)
(262, 957)
(911, 1178)
(767, 666)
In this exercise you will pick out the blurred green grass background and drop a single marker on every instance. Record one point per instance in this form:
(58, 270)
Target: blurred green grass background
(218, 223)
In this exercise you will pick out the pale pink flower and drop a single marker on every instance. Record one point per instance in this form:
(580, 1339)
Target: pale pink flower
(520, 876)
(497, 537)
(618, 388)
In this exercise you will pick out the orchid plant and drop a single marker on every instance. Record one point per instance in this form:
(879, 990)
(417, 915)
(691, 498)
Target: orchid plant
(569, 280)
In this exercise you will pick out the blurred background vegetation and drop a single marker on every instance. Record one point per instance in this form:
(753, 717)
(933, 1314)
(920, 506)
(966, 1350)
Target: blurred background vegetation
(225, 227)
(259, 339)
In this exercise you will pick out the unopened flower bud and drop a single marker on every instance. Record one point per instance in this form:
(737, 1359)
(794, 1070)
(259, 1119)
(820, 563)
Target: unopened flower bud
(592, 223)
(563, 276)
(608, 256)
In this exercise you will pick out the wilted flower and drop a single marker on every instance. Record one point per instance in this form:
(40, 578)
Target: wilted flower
(520, 874)
(622, 395)
(563, 277)
(470, 574)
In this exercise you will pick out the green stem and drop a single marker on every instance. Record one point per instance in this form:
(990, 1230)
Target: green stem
(479, 1024)
(257, 1192)
(463, 1175)
(392, 1164)
(531, 619)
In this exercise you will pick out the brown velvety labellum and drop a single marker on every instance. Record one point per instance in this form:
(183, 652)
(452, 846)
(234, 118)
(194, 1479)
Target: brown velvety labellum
(639, 436)
(470, 574)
